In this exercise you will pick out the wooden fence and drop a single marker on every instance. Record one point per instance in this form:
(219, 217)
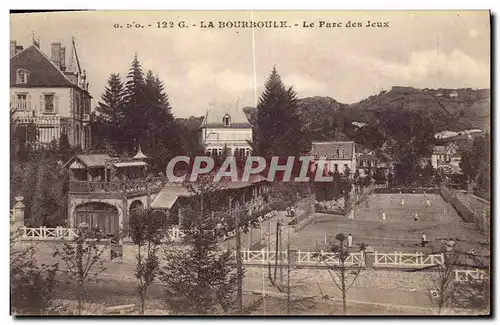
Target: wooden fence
(398, 259)
(470, 275)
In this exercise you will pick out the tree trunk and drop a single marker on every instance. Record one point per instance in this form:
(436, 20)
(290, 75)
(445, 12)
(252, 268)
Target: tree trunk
(342, 274)
(79, 295)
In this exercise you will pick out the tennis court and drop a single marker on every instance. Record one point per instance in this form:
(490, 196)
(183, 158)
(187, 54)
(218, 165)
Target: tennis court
(399, 231)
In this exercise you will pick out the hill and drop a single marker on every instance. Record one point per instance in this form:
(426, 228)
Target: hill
(449, 109)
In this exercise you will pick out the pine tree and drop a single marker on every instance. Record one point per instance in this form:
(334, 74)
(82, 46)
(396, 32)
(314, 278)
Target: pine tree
(109, 115)
(135, 102)
(279, 131)
(201, 279)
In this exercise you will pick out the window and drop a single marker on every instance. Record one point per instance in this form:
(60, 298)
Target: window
(22, 76)
(22, 102)
(336, 166)
(247, 152)
(49, 103)
(226, 120)
(219, 151)
(214, 152)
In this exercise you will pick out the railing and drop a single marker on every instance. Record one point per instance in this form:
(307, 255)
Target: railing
(39, 119)
(470, 275)
(398, 259)
(330, 259)
(119, 186)
(44, 233)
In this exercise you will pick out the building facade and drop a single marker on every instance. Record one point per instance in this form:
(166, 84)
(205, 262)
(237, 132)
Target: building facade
(337, 156)
(226, 128)
(50, 94)
(446, 158)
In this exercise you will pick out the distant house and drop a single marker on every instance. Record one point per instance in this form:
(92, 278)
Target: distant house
(453, 94)
(367, 164)
(446, 158)
(226, 127)
(337, 156)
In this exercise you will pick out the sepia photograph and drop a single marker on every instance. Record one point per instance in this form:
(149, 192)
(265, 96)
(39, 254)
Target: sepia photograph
(251, 162)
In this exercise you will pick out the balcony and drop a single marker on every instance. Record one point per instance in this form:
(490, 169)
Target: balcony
(26, 117)
(119, 186)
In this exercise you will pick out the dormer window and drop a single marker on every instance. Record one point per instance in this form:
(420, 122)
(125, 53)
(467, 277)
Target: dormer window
(226, 120)
(22, 76)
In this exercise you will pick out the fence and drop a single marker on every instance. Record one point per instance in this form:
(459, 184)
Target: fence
(470, 275)
(469, 208)
(44, 233)
(301, 258)
(398, 259)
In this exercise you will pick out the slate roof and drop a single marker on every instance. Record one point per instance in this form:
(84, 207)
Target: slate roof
(338, 150)
(215, 114)
(41, 71)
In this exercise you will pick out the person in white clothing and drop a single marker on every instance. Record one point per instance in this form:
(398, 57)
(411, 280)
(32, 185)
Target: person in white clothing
(349, 240)
(402, 201)
(383, 215)
(424, 239)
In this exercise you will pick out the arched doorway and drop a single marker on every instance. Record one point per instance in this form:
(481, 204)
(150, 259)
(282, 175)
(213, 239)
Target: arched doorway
(98, 214)
(135, 207)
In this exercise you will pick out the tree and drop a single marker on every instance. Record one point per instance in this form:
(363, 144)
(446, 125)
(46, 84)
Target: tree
(279, 131)
(32, 285)
(203, 278)
(64, 148)
(109, 115)
(146, 231)
(83, 260)
(475, 162)
(443, 280)
(338, 273)
(292, 303)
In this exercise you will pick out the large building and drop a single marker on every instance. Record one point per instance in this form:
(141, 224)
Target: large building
(50, 93)
(338, 156)
(227, 128)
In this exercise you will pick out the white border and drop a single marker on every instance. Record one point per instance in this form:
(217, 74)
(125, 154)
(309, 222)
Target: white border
(210, 5)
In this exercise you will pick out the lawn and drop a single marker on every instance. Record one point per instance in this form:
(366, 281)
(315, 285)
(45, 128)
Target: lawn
(400, 231)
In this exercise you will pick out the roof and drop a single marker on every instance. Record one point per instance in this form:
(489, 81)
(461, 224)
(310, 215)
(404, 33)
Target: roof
(366, 156)
(93, 160)
(341, 150)
(140, 155)
(41, 71)
(171, 192)
(215, 114)
(168, 196)
(439, 150)
(130, 164)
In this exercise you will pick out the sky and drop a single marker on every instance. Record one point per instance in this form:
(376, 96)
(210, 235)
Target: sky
(199, 66)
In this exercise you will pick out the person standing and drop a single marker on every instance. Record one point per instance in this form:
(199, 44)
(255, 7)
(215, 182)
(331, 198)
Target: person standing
(383, 215)
(424, 239)
(292, 212)
(349, 240)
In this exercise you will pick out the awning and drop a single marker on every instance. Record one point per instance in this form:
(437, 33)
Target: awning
(130, 164)
(168, 195)
(76, 165)
(164, 201)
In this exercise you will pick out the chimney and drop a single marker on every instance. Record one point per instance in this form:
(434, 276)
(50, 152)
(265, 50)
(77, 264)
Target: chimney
(56, 53)
(19, 48)
(12, 48)
(63, 58)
